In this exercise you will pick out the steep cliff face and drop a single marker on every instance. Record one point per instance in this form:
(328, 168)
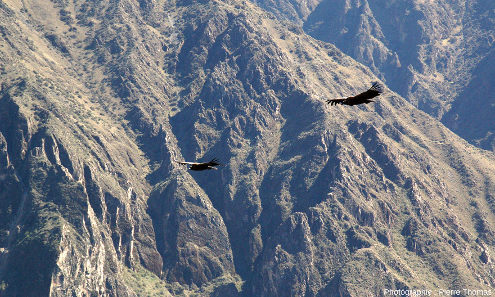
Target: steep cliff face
(99, 99)
(73, 188)
(470, 114)
(433, 53)
(415, 46)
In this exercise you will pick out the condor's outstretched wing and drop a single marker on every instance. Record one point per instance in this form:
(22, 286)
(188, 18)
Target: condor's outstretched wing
(188, 163)
(214, 162)
(375, 90)
(201, 166)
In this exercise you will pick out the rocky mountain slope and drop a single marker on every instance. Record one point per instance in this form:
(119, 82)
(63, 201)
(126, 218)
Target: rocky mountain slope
(433, 53)
(97, 100)
(471, 113)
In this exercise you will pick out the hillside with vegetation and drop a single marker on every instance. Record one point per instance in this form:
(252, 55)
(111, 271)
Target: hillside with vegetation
(98, 100)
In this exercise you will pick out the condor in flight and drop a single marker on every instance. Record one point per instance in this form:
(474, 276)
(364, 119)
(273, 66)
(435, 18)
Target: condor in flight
(375, 90)
(201, 166)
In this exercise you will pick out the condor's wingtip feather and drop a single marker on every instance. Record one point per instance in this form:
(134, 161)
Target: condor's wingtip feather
(377, 86)
(215, 161)
(334, 101)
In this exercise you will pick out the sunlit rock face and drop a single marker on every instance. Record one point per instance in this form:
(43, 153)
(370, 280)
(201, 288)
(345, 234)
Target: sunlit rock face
(436, 54)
